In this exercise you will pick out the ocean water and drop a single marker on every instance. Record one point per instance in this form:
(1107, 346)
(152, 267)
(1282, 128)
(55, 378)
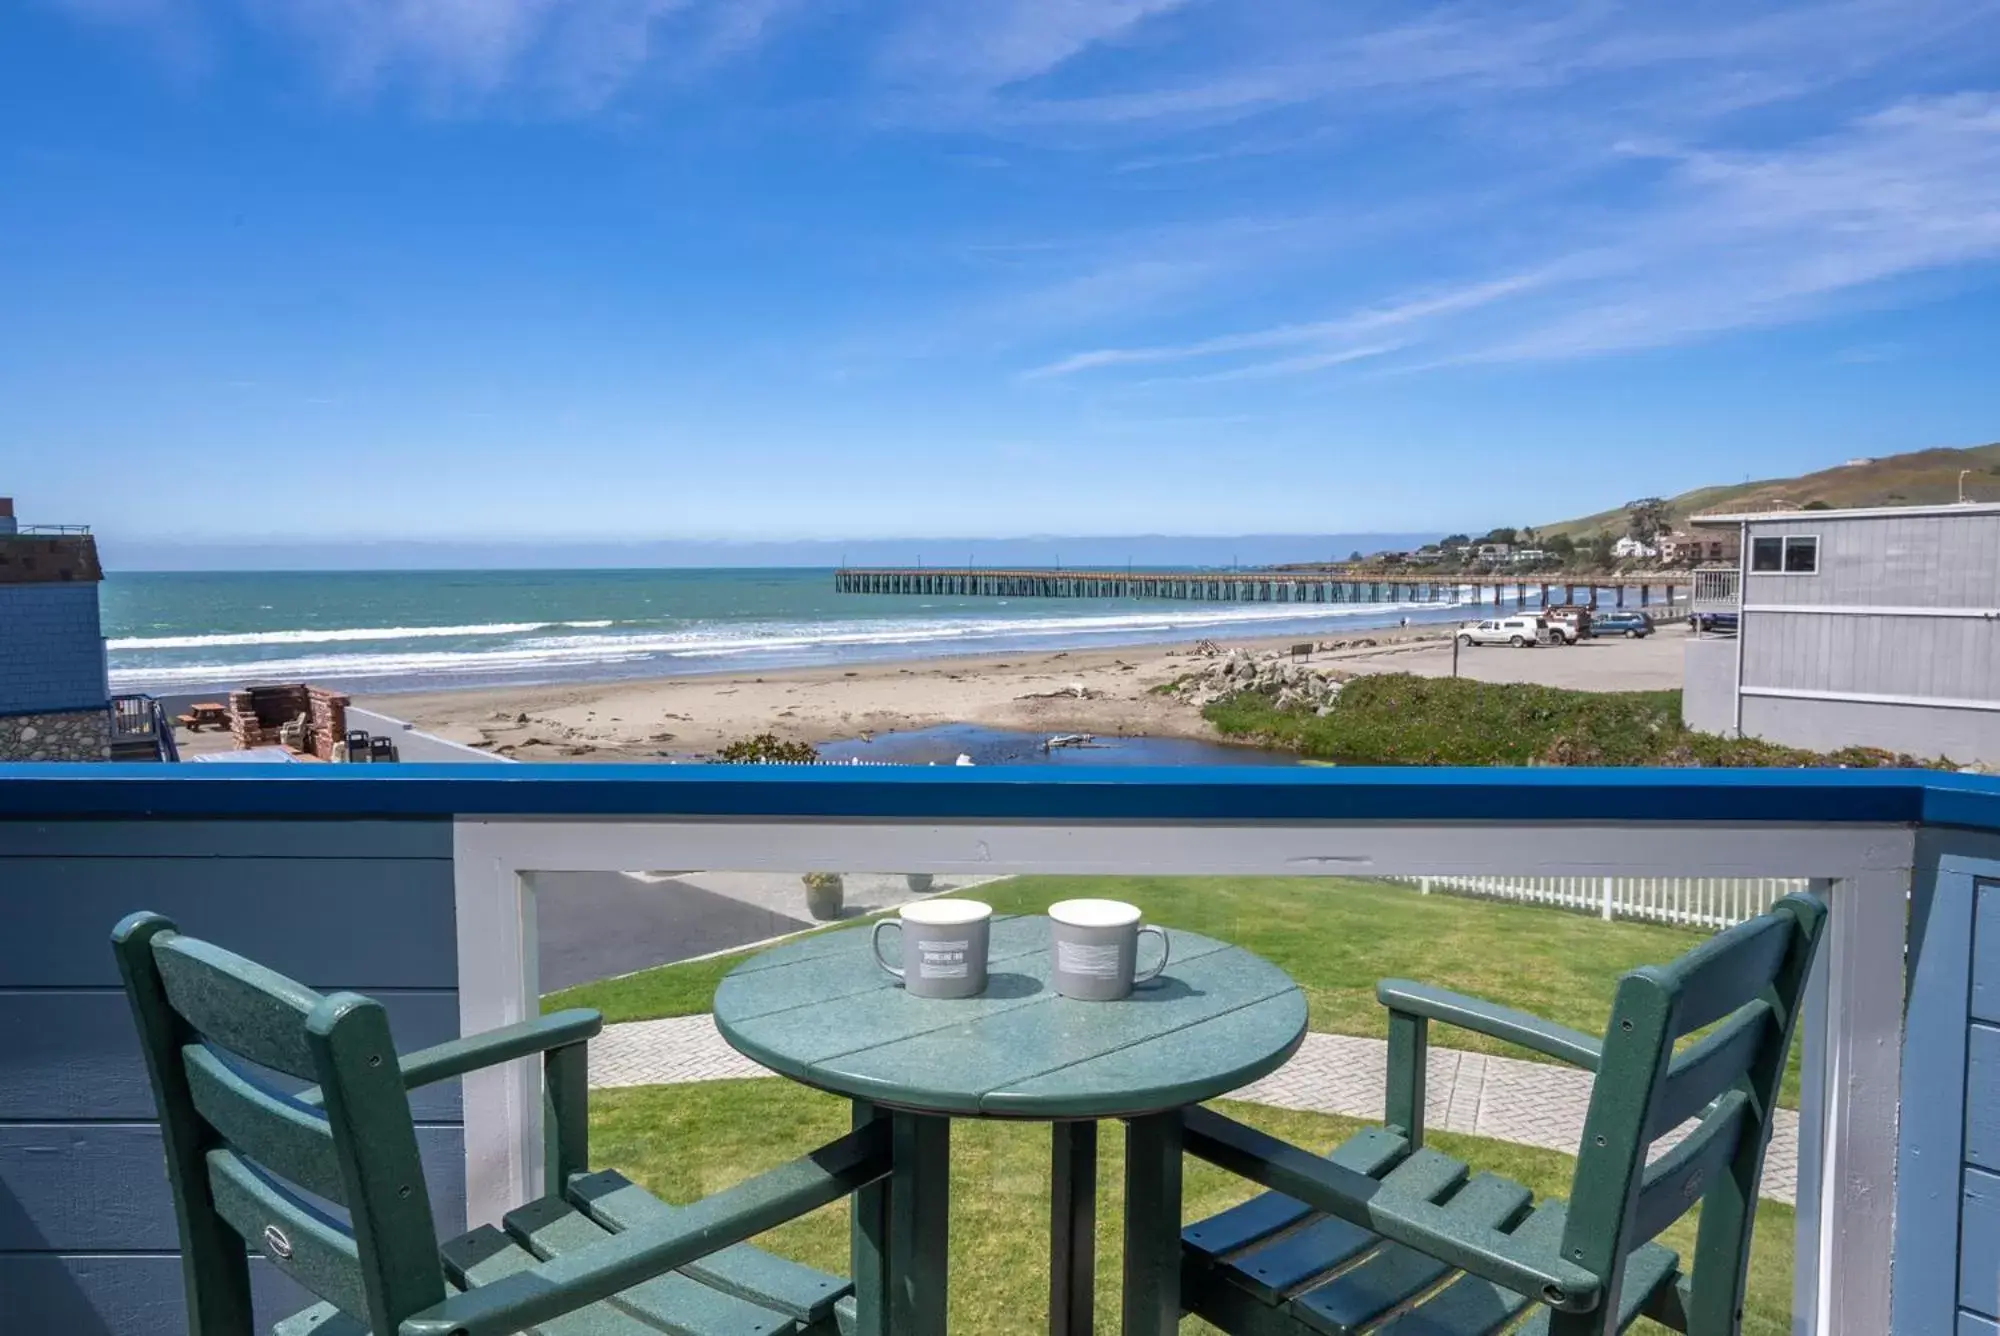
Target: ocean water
(426, 630)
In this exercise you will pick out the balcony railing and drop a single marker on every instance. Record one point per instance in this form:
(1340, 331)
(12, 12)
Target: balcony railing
(418, 883)
(140, 730)
(1717, 590)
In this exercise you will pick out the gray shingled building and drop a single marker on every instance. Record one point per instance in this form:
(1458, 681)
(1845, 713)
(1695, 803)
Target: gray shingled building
(1876, 628)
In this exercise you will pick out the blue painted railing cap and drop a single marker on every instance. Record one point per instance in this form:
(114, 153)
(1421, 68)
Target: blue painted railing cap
(1003, 793)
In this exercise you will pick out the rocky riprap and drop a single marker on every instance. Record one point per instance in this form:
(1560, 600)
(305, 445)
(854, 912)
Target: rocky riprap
(1286, 680)
(78, 735)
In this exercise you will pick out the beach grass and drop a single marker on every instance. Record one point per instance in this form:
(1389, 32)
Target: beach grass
(684, 1142)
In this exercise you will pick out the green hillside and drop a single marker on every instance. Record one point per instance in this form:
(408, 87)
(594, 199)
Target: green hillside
(1920, 478)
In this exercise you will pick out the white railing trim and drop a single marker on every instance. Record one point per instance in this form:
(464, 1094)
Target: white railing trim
(1855, 1083)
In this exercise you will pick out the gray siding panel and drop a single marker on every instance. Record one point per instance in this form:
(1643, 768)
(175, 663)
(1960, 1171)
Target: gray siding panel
(73, 1054)
(1986, 954)
(1708, 685)
(1982, 1097)
(1956, 658)
(1964, 736)
(1918, 561)
(87, 1238)
(1971, 1324)
(352, 923)
(102, 1187)
(1979, 1243)
(120, 1295)
(1930, 1150)
(226, 839)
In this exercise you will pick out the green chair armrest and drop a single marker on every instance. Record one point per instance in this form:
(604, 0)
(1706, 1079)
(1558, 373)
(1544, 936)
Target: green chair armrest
(1471, 1013)
(456, 1057)
(576, 1280)
(1360, 1200)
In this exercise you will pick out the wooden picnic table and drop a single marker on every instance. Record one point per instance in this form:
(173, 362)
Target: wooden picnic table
(204, 714)
(819, 1011)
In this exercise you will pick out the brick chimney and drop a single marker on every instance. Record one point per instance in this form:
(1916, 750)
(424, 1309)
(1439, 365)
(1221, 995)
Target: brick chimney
(7, 524)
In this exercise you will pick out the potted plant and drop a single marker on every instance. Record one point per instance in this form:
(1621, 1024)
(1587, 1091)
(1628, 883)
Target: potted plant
(826, 895)
(920, 882)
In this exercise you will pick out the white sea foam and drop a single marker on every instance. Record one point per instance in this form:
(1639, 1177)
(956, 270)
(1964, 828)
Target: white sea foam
(336, 635)
(556, 656)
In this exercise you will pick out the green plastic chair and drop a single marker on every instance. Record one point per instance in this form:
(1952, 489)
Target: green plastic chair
(252, 1164)
(1389, 1236)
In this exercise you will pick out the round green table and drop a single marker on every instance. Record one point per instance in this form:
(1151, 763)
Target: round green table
(820, 1011)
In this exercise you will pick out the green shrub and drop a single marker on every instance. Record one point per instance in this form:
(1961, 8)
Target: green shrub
(1398, 719)
(768, 747)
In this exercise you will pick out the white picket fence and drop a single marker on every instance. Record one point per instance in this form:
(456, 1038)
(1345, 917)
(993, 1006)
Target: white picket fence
(1695, 902)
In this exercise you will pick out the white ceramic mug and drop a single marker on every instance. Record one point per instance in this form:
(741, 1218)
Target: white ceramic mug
(944, 947)
(1096, 945)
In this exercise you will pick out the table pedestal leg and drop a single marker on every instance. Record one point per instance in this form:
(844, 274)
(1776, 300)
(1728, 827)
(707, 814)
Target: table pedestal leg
(1072, 1227)
(868, 1249)
(919, 1220)
(1153, 1225)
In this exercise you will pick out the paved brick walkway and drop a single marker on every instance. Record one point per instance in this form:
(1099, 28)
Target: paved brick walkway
(1529, 1103)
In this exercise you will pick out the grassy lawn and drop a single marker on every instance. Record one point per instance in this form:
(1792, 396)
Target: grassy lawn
(1335, 936)
(684, 1142)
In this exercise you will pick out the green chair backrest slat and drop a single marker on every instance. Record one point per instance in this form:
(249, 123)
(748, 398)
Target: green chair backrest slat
(236, 1148)
(1751, 978)
(238, 1004)
(1711, 1065)
(1726, 972)
(310, 1247)
(1675, 1182)
(282, 1135)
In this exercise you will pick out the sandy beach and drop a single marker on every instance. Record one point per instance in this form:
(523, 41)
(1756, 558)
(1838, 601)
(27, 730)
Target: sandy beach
(1108, 691)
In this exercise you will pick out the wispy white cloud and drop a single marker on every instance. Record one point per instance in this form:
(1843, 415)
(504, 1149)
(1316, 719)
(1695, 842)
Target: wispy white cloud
(462, 55)
(1334, 338)
(973, 47)
(458, 53)
(1570, 177)
(1680, 63)
(1754, 239)
(1723, 241)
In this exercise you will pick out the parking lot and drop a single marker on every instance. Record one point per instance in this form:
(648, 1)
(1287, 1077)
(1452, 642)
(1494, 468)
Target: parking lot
(1615, 664)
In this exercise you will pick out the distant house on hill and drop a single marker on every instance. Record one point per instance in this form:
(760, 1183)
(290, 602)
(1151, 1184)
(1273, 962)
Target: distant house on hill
(1628, 548)
(1686, 547)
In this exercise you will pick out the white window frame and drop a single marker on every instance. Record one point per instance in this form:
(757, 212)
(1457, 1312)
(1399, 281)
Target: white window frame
(1784, 542)
(1785, 553)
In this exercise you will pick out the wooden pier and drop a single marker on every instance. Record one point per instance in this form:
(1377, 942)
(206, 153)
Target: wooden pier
(1255, 586)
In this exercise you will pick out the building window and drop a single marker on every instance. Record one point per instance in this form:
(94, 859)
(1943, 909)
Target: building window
(1797, 555)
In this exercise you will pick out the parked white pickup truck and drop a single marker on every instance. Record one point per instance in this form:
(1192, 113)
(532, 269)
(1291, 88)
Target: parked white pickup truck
(1520, 632)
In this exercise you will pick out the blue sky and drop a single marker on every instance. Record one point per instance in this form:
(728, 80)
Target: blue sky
(785, 268)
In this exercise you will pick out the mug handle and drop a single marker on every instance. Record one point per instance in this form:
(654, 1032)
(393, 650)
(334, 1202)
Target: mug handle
(875, 941)
(1154, 972)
